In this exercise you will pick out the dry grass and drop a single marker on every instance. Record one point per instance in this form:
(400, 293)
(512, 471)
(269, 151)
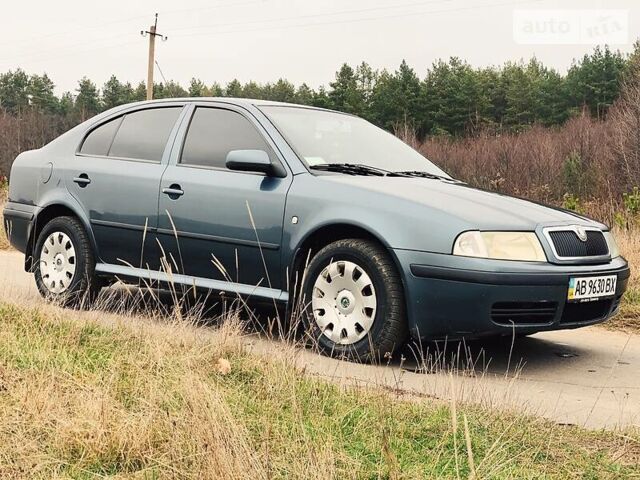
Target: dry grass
(134, 399)
(629, 317)
(4, 243)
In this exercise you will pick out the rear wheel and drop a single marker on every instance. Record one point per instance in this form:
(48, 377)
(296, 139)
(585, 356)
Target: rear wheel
(64, 263)
(354, 303)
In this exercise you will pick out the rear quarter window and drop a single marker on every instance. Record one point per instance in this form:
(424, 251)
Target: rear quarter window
(99, 139)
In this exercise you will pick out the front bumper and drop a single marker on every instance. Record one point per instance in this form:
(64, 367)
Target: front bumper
(455, 297)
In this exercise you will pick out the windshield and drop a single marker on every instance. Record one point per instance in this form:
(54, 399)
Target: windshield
(320, 137)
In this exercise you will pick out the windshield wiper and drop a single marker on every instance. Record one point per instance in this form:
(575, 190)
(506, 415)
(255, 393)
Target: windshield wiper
(361, 169)
(420, 174)
(350, 169)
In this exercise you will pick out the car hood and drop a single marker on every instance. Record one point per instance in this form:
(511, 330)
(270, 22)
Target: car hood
(477, 208)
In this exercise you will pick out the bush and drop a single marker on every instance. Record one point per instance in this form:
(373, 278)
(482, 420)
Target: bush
(572, 202)
(631, 201)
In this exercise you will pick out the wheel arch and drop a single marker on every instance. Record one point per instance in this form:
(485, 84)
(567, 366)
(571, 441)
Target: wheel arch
(322, 236)
(51, 210)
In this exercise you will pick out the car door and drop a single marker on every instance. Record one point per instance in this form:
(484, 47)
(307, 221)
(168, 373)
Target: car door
(115, 176)
(219, 224)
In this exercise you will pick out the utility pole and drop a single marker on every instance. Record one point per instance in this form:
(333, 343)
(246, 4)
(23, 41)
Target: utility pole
(152, 50)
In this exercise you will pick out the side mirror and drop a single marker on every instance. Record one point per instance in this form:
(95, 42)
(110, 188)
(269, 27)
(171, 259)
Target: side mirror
(253, 161)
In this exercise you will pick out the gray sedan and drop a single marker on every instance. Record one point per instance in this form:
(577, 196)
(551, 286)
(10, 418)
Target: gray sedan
(364, 239)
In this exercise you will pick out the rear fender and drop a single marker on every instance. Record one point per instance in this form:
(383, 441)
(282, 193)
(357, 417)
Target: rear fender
(56, 199)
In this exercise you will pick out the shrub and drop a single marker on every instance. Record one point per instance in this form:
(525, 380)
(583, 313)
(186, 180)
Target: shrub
(631, 201)
(572, 202)
(574, 175)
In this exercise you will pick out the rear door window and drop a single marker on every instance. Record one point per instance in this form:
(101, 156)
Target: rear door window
(143, 134)
(214, 132)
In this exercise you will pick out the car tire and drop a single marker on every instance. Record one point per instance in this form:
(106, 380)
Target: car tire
(64, 263)
(366, 320)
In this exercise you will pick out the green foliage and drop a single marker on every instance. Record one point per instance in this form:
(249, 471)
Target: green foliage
(574, 174)
(14, 91)
(170, 89)
(533, 94)
(19, 91)
(396, 97)
(630, 216)
(572, 202)
(631, 201)
(87, 102)
(115, 93)
(451, 98)
(595, 81)
(197, 88)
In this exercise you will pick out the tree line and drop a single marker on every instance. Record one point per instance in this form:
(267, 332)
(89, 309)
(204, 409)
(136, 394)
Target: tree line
(453, 98)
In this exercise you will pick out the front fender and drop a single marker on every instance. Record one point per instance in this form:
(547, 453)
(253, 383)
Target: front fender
(397, 222)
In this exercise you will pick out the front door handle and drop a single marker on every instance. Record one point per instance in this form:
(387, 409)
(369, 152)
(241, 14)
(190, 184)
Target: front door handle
(173, 191)
(82, 180)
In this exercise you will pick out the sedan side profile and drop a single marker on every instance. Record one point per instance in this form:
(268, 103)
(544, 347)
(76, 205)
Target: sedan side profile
(298, 205)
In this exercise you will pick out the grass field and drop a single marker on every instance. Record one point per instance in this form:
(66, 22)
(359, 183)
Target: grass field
(629, 317)
(4, 244)
(132, 398)
(137, 399)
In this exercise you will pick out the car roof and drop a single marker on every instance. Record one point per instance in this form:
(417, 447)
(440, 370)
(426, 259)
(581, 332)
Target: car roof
(234, 101)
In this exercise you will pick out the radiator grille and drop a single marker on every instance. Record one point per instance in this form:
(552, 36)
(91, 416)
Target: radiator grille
(567, 244)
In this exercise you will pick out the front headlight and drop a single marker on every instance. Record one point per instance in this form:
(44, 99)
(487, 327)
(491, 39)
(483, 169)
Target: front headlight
(520, 246)
(614, 251)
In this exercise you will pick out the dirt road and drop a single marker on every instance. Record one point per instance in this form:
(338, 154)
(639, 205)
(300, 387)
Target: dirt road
(589, 377)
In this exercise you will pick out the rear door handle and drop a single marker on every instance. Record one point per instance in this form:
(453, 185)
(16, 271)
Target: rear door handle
(174, 191)
(82, 180)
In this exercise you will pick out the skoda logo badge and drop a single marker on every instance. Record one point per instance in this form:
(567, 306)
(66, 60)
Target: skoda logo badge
(581, 233)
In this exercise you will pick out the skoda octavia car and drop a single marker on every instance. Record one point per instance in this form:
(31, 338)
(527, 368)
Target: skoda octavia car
(298, 205)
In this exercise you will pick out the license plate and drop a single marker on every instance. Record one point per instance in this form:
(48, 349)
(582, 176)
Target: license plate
(591, 288)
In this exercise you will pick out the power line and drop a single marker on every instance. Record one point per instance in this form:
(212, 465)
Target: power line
(103, 25)
(78, 52)
(259, 25)
(214, 6)
(317, 15)
(161, 74)
(359, 20)
(55, 53)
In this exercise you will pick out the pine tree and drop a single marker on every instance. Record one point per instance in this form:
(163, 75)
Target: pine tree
(396, 98)
(87, 101)
(282, 91)
(115, 93)
(304, 95)
(234, 89)
(595, 80)
(345, 94)
(14, 94)
(197, 88)
(41, 94)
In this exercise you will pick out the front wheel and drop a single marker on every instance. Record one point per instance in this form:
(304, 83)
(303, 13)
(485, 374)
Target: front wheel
(64, 263)
(353, 301)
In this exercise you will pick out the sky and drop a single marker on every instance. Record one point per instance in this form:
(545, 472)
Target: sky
(299, 40)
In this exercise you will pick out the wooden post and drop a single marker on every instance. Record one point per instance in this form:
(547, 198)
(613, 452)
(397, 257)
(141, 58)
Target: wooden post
(152, 32)
(152, 48)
